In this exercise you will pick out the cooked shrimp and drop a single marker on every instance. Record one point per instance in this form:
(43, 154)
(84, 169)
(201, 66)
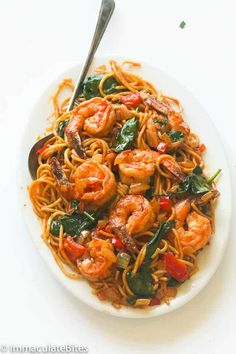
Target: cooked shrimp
(94, 183)
(96, 117)
(132, 214)
(176, 122)
(136, 165)
(182, 210)
(101, 258)
(198, 232)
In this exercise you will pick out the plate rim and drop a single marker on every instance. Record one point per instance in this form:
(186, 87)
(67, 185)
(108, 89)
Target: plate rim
(98, 305)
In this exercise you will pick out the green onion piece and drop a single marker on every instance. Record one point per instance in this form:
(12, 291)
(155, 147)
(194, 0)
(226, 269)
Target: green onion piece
(211, 179)
(89, 216)
(122, 260)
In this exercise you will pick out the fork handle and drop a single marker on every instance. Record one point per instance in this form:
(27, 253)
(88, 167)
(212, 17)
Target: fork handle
(106, 10)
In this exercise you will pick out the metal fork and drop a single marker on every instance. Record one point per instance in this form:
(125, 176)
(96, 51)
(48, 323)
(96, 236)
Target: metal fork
(105, 13)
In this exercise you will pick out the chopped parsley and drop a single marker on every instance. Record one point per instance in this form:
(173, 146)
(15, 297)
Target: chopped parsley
(163, 121)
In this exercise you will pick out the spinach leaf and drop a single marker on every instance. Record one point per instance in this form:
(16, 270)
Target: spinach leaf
(197, 170)
(131, 300)
(110, 85)
(61, 127)
(173, 282)
(141, 283)
(154, 243)
(90, 86)
(55, 227)
(126, 135)
(198, 184)
(194, 184)
(175, 135)
(74, 224)
(150, 192)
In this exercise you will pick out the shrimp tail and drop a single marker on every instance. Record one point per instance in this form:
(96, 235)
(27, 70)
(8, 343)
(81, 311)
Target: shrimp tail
(77, 145)
(126, 239)
(58, 171)
(60, 175)
(74, 138)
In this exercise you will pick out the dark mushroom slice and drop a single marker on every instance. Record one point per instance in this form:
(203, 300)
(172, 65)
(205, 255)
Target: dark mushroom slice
(126, 239)
(173, 169)
(158, 105)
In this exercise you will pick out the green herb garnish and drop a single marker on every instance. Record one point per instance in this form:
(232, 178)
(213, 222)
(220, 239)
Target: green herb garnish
(162, 121)
(175, 135)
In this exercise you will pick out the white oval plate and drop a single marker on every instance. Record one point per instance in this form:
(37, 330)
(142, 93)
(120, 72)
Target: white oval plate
(200, 123)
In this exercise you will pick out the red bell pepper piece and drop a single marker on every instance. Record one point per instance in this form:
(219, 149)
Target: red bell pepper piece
(117, 243)
(131, 100)
(202, 148)
(165, 203)
(175, 268)
(154, 301)
(162, 147)
(73, 249)
(81, 206)
(42, 149)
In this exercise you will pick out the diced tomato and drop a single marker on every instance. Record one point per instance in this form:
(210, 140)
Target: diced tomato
(117, 243)
(73, 249)
(131, 100)
(154, 301)
(162, 147)
(175, 268)
(42, 149)
(81, 206)
(165, 203)
(202, 148)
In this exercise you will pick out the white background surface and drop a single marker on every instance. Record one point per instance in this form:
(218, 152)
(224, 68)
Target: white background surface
(39, 39)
